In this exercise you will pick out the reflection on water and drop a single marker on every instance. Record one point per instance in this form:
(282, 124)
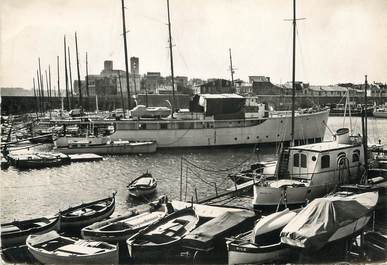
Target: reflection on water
(34, 193)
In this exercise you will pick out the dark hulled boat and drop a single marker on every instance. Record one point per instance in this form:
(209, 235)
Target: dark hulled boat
(15, 233)
(85, 214)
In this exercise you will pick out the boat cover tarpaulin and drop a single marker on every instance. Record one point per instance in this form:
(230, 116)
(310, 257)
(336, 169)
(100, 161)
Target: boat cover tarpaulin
(318, 221)
(203, 237)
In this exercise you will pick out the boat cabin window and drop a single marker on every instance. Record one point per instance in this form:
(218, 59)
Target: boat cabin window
(303, 160)
(142, 126)
(356, 156)
(296, 160)
(163, 125)
(325, 161)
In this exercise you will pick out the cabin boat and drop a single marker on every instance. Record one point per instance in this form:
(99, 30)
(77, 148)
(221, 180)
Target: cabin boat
(163, 237)
(329, 219)
(263, 243)
(77, 217)
(219, 120)
(38, 160)
(306, 172)
(121, 228)
(107, 147)
(51, 248)
(144, 185)
(15, 233)
(381, 111)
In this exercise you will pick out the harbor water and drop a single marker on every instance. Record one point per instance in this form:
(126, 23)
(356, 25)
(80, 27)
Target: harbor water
(43, 192)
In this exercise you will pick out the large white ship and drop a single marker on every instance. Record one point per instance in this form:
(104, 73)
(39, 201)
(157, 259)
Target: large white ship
(220, 120)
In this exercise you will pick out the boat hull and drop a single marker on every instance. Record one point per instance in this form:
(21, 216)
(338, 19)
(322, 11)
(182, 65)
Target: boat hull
(77, 222)
(110, 257)
(204, 133)
(109, 149)
(380, 114)
(247, 253)
(16, 239)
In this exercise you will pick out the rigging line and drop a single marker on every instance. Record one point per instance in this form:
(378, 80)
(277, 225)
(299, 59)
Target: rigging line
(219, 170)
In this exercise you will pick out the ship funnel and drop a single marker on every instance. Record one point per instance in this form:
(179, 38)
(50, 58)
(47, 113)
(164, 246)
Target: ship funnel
(342, 136)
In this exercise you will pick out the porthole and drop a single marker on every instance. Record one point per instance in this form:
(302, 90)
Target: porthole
(282, 121)
(278, 135)
(314, 158)
(257, 137)
(267, 136)
(235, 138)
(248, 137)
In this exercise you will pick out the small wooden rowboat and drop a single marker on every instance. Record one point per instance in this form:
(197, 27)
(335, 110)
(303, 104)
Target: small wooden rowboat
(121, 228)
(16, 232)
(77, 217)
(263, 243)
(144, 185)
(163, 237)
(51, 248)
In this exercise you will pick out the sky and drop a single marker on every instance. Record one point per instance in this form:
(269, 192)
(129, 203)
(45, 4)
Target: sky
(338, 41)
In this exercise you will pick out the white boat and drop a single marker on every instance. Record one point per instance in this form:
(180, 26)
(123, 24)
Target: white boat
(262, 244)
(219, 120)
(144, 185)
(122, 227)
(97, 146)
(311, 171)
(381, 111)
(51, 248)
(326, 220)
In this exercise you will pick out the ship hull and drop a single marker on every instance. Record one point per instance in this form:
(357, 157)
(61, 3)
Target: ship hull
(204, 133)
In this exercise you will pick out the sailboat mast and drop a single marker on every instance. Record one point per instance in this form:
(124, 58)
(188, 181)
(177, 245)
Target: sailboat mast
(171, 58)
(87, 82)
(66, 76)
(122, 96)
(70, 75)
(231, 69)
(293, 71)
(41, 88)
(78, 73)
(57, 68)
(126, 53)
(365, 136)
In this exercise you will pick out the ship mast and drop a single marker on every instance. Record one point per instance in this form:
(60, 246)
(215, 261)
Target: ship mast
(78, 74)
(126, 53)
(293, 71)
(231, 69)
(66, 76)
(171, 59)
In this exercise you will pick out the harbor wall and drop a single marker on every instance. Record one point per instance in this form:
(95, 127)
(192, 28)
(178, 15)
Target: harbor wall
(24, 104)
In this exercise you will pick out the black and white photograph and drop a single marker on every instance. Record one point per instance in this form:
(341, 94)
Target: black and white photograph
(193, 131)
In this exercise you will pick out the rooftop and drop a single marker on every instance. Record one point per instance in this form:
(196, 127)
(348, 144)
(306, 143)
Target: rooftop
(322, 147)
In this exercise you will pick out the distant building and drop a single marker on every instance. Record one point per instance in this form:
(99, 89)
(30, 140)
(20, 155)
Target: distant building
(151, 81)
(108, 81)
(259, 78)
(217, 86)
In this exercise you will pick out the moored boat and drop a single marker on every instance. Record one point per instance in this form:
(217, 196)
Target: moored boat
(163, 237)
(211, 234)
(84, 145)
(311, 171)
(262, 244)
(144, 185)
(15, 233)
(77, 217)
(329, 219)
(121, 228)
(380, 112)
(51, 248)
(38, 160)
